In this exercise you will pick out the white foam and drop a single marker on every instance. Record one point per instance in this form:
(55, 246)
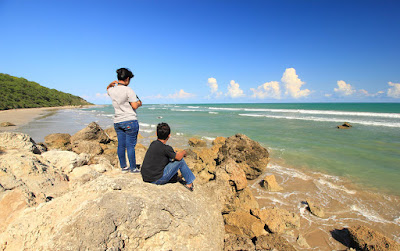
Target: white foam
(193, 106)
(208, 138)
(325, 119)
(369, 215)
(290, 172)
(179, 133)
(185, 110)
(146, 130)
(333, 186)
(213, 112)
(144, 124)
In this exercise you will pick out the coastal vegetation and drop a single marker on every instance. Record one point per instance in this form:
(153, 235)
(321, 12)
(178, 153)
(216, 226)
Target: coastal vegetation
(20, 93)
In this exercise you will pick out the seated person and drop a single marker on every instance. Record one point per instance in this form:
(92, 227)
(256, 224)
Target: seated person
(161, 163)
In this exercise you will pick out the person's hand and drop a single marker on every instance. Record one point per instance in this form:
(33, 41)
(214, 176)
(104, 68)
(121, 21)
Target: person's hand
(112, 84)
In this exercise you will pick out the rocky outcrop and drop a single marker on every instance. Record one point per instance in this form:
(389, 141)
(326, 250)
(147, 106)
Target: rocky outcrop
(278, 220)
(269, 183)
(273, 242)
(65, 161)
(93, 132)
(248, 155)
(364, 238)
(345, 125)
(61, 141)
(315, 209)
(6, 124)
(195, 142)
(19, 141)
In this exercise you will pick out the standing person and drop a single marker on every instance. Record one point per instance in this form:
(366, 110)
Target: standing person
(161, 163)
(125, 103)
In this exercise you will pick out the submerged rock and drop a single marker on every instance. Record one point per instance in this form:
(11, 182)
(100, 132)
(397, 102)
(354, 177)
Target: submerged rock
(315, 209)
(346, 125)
(6, 124)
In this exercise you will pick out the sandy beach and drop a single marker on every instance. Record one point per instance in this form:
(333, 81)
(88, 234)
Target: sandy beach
(20, 117)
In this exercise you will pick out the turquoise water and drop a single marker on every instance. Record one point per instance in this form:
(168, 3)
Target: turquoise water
(302, 136)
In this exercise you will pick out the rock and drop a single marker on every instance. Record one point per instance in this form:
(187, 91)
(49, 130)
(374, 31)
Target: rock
(234, 242)
(6, 124)
(346, 125)
(93, 132)
(243, 200)
(65, 161)
(242, 223)
(19, 141)
(219, 141)
(194, 142)
(315, 209)
(111, 133)
(270, 184)
(90, 147)
(237, 177)
(364, 238)
(60, 141)
(83, 174)
(120, 212)
(278, 220)
(302, 242)
(273, 242)
(248, 154)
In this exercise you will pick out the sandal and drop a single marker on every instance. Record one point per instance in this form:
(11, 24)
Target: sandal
(190, 188)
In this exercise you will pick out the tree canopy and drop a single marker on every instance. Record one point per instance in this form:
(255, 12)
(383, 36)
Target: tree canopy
(20, 93)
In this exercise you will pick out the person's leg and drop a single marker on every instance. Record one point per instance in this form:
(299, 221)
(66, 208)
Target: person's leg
(186, 172)
(172, 168)
(131, 130)
(121, 144)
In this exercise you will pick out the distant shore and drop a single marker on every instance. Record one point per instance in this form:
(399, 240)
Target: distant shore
(23, 116)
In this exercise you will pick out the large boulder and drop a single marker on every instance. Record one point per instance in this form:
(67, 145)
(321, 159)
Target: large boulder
(120, 212)
(195, 142)
(278, 220)
(93, 132)
(90, 147)
(315, 209)
(60, 141)
(242, 223)
(247, 153)
(269, 183)
(18, 141)
(65, 161)
(364, 238)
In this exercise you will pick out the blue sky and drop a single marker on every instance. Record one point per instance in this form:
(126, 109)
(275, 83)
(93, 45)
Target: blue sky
(203, 51)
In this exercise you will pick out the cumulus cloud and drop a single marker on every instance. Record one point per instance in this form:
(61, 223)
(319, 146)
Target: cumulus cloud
(293, 84)
(344, 89)
(181, 95)
(394, 90)
(234, 90)
(212, 83)
(267, 90)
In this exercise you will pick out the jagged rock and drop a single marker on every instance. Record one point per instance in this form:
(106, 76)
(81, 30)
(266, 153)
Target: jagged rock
(60, 141)
(93, 132)
(120, 212)
(364, 238)
(6, 124)
(302, 242)
(195, 142)
(278, 220)
(83, 174)
(237, 177)
(242, 223)
(111, 133)
(90, 147)
(17, 140)
(315, 209)
(235, 242)
(248, 154)
(346, 125)
(242, 200)
(273, 242)
(65, 161)
(270, 184)
(219, 141)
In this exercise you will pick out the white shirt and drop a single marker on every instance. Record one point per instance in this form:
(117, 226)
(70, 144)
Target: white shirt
(121, 97)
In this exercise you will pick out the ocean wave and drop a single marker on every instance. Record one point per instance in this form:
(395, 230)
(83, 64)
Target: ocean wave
(195, 107)
(185, 110)
(290, 172)
(369, 215)
(146, 130)
(208, 138)
(321, 119)
(213, 112)
(336, 187)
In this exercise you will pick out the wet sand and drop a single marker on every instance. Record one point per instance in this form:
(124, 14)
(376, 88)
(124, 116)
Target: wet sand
(20, 117)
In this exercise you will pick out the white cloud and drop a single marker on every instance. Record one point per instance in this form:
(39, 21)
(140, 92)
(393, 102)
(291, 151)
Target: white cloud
(267, 90)
(181, 95)
(394, 91)
(293, 84)
(328, 95)
(212, 83)
(234, 90)
(344, 89)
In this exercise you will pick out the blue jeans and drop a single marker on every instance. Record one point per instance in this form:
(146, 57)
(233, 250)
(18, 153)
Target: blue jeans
(172, 168)
(127, 132)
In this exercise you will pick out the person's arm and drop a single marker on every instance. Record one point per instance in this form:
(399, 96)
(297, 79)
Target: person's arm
(112, 84)
(180, 155)
(136, 105)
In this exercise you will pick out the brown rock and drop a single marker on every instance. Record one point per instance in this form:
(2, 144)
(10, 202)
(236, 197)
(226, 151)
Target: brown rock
(58, 141)
(195, 142)
(111, 133)
(247, 153)
(270, 184)
(278, 220)
(90, 147)
(315, 209)
(346, 125)
(244, 224)
(364, 238)
(242, 200)
(219, 141)
(6, 124)
(236, 175)
(273, 242)
(233, 242)
(93, 132)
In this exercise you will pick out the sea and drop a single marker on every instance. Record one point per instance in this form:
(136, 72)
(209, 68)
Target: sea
(353, 173)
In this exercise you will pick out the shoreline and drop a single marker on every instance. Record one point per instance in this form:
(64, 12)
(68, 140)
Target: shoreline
(23, 116)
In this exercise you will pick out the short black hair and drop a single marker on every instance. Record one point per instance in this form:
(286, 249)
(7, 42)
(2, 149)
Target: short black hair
(124, 73)
(163, 131)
